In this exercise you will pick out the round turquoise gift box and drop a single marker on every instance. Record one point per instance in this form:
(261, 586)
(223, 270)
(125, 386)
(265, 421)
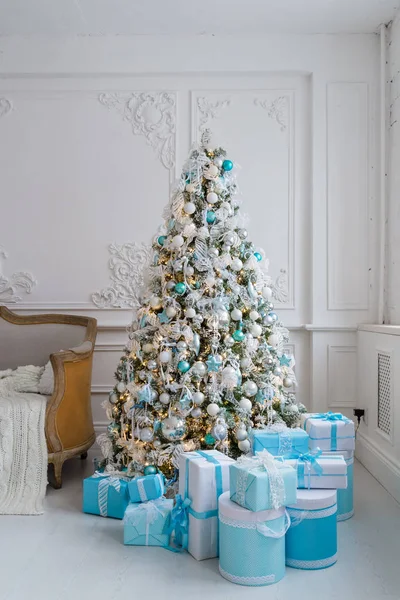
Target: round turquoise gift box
(251, 544)
(311, 542)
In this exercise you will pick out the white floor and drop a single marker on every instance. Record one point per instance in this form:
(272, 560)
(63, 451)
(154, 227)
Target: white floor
(66, 555)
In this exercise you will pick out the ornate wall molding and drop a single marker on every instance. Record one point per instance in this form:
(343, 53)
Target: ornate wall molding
(5, 106)
(280, 287)
(278, 110)
(151, 114)
(127, 264)
(17, 282)
(209, 110)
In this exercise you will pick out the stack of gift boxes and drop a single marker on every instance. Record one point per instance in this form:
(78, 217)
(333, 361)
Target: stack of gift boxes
(277, 507)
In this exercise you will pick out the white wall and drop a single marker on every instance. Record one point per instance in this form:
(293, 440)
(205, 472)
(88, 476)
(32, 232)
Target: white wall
(393, 200)
(298, 113)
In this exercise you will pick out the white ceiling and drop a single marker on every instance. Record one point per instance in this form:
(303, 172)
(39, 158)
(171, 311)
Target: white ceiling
(177, 17)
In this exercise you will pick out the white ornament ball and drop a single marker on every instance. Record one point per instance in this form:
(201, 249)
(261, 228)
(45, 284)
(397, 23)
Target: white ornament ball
(229, 341)
(241, 434)
(236, 314)
(213, 409)
(211, 172)
(121, 387)
(146, 434)
(190, 313)
(165, 356)
(266, 293)
(181, 346)
(218, 161)
(229, 377)
(236, 264)
(114, 398)
(177, 241)
(196, 412)
(223, 317)
(210, 281)
(173, 428)
(245, 362)
(155, 302)
(190, 187)
(189, 208)
(199, 368)
(287, 382)
(256, 330)
(273, 340)
(213, 252)
(170, 311)
(244, 445)
(189, 270)
(164, 398)
(250, 388)
(212, 197)
(198, 398)
(254, 315)
(245, 404)
(170, 285)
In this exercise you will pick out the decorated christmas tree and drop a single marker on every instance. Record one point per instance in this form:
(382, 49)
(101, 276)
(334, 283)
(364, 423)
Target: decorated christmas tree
(205, 362)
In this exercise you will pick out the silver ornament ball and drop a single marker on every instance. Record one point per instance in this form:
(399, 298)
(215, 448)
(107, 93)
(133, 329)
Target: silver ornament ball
(173, 428)
(287, 382)
(219, 431)
(196, 412)
(229, 341)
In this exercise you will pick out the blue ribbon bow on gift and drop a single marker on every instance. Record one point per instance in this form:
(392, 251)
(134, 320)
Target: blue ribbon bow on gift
(330, 416)
(309, 459)
(180, 523)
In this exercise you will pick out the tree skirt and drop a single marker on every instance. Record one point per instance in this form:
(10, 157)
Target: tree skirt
(23, 454)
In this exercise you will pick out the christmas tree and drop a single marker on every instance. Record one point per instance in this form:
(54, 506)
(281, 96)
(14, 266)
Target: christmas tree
(205, 362)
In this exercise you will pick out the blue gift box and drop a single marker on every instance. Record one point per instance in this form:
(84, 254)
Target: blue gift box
(147, 523)
(284, 441)
(262, 483)
(148, 487)
(105, 495)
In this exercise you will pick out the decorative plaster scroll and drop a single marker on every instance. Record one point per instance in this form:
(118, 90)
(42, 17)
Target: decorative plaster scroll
(9, 286)
(127, 264)
(278, 110)
(151, 114)
(280, 287)
(5, 106)
(209, 110)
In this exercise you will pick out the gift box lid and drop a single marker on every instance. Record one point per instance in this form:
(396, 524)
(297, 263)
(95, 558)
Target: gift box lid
(348, 455)
(270, 438)
(231, 510)
(331, 465)
(154, 513)
(203, 459)
(314, 499)
(324, 422)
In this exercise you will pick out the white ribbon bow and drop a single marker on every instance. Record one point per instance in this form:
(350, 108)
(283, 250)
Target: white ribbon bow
(150, 510)
(265, 460)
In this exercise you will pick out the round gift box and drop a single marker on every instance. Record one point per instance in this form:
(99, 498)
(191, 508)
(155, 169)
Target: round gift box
(251, 544)
(311, 542)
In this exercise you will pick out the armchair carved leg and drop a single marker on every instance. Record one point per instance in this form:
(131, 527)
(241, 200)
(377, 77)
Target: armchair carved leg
(58, 462)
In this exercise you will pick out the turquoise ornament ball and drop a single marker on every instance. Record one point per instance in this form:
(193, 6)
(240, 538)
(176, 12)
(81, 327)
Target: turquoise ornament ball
(273, 316)
(238, 335)
(161, 240)
(211, 216)
(258, 256)
(197, 285)
(150, 470)
(183, 366)
(209, 439)
(180, 288)
(227, 165)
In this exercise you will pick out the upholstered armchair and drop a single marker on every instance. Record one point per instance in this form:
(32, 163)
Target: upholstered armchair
(69, 343)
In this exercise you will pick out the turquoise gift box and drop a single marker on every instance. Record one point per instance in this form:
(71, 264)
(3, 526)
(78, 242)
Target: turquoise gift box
(279, 442)
(262, 483)
(147, 523)
(147, 487)
(105, 495)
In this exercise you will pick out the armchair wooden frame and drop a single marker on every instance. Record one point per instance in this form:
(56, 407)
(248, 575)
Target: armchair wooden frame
(72, 390)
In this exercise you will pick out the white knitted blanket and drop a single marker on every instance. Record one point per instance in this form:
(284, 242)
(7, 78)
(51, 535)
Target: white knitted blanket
(23, 449)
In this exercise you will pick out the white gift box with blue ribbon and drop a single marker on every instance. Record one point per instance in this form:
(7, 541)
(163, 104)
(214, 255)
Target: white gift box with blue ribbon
(311, 541)
(261, 483)
(105, 495)
(345, 498)
(251, 544)
(279, 440)
(147, 523)
(147, 487)
(203, 477)
(315, 470)
(329, 431)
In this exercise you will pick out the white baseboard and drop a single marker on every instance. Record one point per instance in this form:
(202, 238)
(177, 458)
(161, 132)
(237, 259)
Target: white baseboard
(379, 464)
